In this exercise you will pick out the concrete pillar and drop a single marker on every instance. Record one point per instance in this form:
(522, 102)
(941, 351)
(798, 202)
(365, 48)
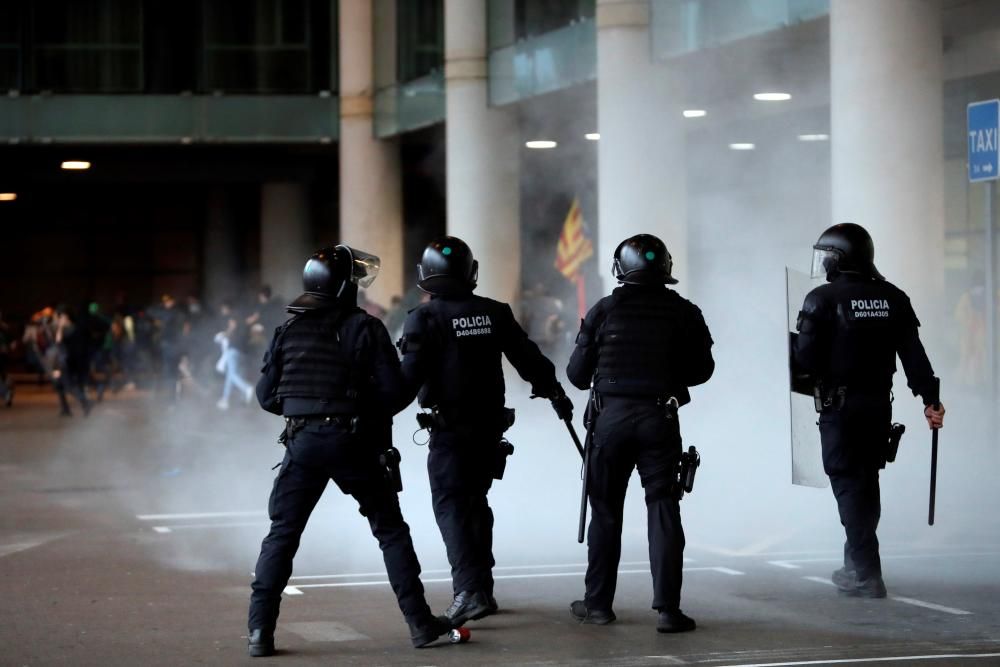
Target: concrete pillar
(371, 209)
(483, 155)
(285, 237)
(221, 261)
(887, 136)
(640, 172)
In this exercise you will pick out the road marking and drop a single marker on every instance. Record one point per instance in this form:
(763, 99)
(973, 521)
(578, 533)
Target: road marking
(790, 563)
(196, 515)
(904, 600)
(292, 590)
(820, 580)
(499, 568)
(931, 605)
(205, 526)
(27, 541)
(536, 575)
(785, 564)
(845, 661)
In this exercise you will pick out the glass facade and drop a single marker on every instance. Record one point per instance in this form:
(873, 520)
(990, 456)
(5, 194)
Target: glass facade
(539, 47)
(146, 46)
(88, 45)
(409, 65)
(683, 26)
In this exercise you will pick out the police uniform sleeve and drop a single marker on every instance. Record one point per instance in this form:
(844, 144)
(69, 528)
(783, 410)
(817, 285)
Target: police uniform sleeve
(388, 388)
(583, 362)
(417, 347)
(919, 374)
(812, 347)
(527, 359)
(698, 364)
(270, 375)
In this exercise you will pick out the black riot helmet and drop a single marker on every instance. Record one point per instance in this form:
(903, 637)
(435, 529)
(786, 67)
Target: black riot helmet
(844, 248)
(332, 276)
(447, 267)
(643, 259)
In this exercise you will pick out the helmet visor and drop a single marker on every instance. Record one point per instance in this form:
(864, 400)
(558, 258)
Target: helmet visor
(364, 267)
(823, 262)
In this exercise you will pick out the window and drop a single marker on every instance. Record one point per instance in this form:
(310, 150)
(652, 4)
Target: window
(87, 45)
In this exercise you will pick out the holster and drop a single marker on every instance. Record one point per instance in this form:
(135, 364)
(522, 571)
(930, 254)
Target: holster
(685, 472)
(503, 449)
(389, 459)
(896, 432)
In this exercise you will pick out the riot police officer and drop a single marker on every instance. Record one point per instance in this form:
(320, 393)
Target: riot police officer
(332, 372)
(640, 348)
(452, 347)
(850, 331)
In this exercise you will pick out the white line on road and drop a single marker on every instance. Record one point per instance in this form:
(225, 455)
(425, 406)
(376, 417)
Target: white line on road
(292, 590)
(537, 575)
(820, 580)
(206, 526)
(785, 564)
(931, 605)
(789, 563)
(845, 661)
(916, 603)
(500, 568)
(196, 515)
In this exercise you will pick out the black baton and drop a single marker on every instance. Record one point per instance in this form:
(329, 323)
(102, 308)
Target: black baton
(934, 452)
(583, 496)
(572, 434)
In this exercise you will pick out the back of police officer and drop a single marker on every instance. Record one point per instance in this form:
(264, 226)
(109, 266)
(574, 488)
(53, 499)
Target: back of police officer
(641, 347)
(850, 331)
(452, 348)
(332, 372)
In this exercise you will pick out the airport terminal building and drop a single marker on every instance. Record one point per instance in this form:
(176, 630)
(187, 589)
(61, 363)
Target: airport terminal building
(228, 138)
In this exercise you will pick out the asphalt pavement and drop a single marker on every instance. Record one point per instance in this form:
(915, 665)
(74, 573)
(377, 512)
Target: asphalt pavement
(118, 546)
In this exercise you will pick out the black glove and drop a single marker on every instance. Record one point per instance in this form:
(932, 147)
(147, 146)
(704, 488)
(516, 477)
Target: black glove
(562, 405)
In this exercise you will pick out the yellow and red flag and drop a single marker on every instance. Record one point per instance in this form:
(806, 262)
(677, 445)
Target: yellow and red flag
(574, 247)
(573, 250)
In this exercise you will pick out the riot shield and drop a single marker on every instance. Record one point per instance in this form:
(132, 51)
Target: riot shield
(807, 457)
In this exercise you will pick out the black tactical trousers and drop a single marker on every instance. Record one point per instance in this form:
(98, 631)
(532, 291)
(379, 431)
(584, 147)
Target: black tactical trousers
(461, 474)
(860, 509)
(633, 433)
(317, 454)
(854, 439)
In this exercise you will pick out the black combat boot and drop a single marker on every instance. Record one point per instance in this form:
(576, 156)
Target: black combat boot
(260, 644)
(467, 606)
(870, 587)
(491, 608)
(843, 579)
(581, 613)
(427, 630)
(674, 620)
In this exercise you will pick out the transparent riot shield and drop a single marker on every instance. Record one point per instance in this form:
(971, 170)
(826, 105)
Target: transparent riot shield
(807, 458)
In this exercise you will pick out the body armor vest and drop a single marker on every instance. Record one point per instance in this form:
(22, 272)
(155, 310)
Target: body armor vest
(635, 345)
(318, 360)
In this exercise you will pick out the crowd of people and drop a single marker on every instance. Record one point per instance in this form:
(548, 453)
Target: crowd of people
(172, 347)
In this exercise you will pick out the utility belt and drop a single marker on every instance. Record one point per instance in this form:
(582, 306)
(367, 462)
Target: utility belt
(435, 421)
(295, 424)
(832, 398)
(668, 403)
